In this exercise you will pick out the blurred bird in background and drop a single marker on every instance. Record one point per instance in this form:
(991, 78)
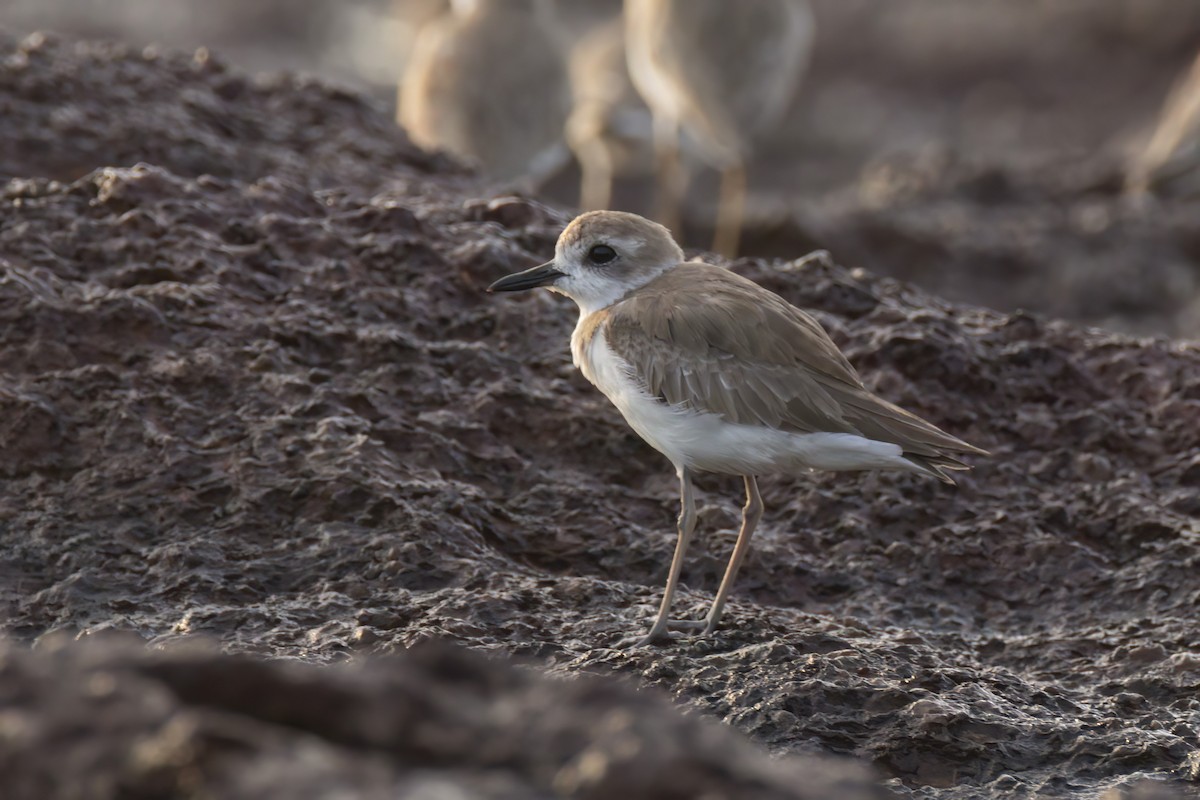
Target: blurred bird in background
(723, 73)
(487, 82)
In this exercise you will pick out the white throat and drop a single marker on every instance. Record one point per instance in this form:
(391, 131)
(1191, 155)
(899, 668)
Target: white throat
(594, 292)
(594, 296)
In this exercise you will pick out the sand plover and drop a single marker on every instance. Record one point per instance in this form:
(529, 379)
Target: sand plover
(488, 83)
(723, 72)
(720, 375)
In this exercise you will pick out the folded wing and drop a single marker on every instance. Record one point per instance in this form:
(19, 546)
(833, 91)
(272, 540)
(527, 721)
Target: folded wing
(707, 339)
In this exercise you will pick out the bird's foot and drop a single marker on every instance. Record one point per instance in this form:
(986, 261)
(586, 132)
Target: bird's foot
(686, 624)
(661, 632)
(669, 631)
(703, 627)
(652, 639)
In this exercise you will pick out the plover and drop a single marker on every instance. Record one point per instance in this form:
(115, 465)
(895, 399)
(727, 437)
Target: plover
(723, 72)
(488, 83)
(720, 375)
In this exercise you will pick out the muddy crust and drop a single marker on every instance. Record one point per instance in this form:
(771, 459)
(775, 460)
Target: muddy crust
(253, 388)
(436, 721)
(72, 106)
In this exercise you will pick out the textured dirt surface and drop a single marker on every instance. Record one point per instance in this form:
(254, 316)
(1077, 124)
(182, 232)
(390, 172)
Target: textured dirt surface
(437, 723)
(273, 405)
(1059, 238)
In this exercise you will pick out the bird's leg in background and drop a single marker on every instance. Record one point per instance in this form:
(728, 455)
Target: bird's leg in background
(730, 210)
(595, 166)
(687, 524)
(751, 514)
(672, 177)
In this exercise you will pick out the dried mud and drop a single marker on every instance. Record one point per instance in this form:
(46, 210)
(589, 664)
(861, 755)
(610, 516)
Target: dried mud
(1060, 239)
(253, 389)
(439, 722)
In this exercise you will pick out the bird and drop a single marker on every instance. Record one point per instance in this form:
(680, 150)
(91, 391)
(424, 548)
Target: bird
(720, 375)
(722, 72)
(488, 83)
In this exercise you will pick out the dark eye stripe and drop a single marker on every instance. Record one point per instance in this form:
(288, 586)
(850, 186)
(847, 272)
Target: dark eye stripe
(601, 254)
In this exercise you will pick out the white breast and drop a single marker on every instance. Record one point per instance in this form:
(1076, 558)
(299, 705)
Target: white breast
(706, 442)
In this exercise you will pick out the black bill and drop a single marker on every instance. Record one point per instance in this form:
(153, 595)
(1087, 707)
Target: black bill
(541, 275)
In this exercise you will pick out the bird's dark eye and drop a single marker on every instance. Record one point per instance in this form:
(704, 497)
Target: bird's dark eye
(601, 254)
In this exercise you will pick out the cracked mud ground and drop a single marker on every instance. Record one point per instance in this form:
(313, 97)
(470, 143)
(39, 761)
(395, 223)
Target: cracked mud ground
(252, 389)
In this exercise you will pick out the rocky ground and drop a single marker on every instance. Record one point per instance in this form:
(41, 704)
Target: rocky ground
(252, 389)
(439, 723)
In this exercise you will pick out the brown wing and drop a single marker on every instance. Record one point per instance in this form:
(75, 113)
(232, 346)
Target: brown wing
(705, 338)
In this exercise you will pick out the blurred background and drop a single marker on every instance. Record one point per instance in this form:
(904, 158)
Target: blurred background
(1001, 152)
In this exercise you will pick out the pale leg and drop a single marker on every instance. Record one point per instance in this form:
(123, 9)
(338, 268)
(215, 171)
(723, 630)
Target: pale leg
(595, 166)
(672, 178)
(751, 514)
(730, 211)
(687, 524)
(596, 191)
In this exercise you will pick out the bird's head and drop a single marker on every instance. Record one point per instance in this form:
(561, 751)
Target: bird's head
(601, 257)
